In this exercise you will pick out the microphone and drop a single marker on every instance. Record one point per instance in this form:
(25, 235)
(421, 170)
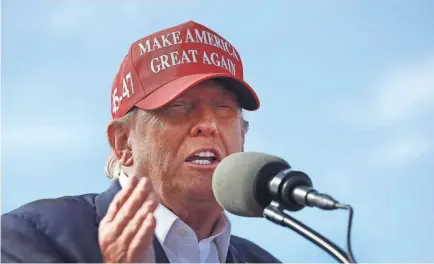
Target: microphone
(245, 183)
(254, 184)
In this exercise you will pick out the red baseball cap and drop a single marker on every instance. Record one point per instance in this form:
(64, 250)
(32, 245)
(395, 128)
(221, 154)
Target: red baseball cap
(160, 67)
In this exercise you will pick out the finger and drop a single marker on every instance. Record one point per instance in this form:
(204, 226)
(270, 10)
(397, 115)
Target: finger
(133, 203)
(143, 239)
(131, 229)
(120, 199)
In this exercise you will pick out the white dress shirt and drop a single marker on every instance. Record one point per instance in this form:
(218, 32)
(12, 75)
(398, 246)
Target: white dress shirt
(179, 241)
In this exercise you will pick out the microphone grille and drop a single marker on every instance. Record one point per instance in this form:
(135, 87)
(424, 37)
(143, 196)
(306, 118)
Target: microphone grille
(240, 182)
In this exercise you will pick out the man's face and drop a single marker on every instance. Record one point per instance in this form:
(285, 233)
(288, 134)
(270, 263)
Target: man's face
(180, 145)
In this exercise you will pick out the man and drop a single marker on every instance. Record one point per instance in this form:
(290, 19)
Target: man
(177, 105)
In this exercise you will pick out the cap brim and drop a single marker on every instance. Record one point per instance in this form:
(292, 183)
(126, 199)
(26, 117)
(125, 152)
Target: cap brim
(170, 91)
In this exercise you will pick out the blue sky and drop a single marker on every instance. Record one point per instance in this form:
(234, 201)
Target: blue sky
(347, 92)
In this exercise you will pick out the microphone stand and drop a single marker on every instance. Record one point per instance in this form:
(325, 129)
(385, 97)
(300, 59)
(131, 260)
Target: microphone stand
(274, 213)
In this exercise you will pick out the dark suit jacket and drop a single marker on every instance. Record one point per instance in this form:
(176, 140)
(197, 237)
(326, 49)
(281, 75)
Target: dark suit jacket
(65, 229)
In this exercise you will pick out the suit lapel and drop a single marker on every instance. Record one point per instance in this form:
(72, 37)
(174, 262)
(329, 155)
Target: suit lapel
(233, 255)
(103, 200)
(229, 258)
(160, 255)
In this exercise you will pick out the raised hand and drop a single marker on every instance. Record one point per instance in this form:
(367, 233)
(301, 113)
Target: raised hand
(126, 231)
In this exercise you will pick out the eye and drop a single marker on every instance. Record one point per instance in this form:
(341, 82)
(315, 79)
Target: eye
(225, 109)
(223, 106)
(227, 105)
(178, 109)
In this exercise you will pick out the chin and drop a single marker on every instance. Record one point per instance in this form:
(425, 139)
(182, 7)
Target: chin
(203, 194)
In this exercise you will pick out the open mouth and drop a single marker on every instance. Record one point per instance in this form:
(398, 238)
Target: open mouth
(203, 158)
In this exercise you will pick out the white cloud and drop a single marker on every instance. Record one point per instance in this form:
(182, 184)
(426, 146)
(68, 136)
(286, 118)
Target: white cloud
(403, 98)
(401, 149)
(406, 93)
(402, 94)
(45, 137)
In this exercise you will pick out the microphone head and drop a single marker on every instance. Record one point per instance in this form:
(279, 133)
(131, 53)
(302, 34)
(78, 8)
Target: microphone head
(240, 182)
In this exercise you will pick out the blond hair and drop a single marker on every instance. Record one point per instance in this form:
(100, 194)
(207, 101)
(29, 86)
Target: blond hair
(112, 167)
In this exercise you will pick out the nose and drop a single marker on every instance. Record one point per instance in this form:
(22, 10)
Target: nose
(206, 124)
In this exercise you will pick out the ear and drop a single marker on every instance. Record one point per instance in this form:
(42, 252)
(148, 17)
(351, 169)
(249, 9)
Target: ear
(119, 138)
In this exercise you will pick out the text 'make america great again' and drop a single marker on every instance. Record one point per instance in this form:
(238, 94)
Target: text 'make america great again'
(173, 58)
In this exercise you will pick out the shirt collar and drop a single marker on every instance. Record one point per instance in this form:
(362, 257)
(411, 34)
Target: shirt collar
(166, 219)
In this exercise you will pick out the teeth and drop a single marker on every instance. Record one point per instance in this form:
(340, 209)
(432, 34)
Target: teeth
(202, 162)
(205, 154)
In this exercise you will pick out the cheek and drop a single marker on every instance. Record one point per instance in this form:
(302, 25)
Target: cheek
(155, 153)
(233, 140)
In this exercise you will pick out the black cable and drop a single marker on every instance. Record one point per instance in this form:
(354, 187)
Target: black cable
(273, 213)
(350, 255)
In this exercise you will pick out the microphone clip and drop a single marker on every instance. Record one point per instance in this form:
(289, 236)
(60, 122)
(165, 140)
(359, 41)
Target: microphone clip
(294, 190)
(283, 185)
